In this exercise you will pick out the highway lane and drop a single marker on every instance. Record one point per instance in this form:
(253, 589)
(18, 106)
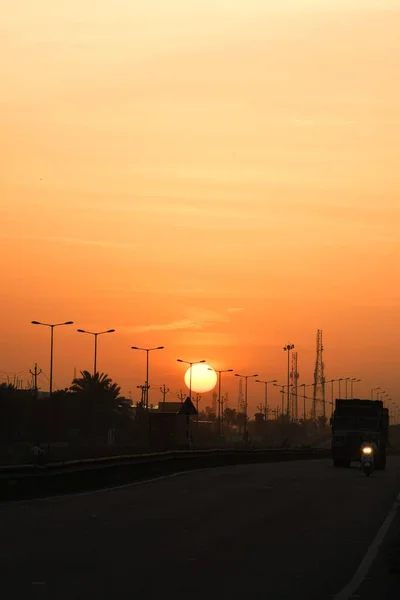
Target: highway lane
(278, 531)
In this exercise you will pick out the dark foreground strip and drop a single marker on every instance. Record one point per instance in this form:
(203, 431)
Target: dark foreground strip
(29, 481)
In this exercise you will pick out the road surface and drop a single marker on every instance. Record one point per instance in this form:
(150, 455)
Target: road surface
(277, 531)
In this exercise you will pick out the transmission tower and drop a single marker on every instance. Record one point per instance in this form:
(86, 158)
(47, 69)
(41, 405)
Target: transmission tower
(319, 378)
(294, 377)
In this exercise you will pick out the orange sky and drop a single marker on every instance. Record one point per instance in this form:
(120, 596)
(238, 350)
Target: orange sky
(218, 177)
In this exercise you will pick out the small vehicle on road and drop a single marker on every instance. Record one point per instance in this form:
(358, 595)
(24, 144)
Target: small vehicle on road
(367, 459)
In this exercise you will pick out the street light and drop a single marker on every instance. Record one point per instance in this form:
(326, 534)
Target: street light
(339, 380)
(354, 380)
(304, 386)
(287, 349)
(246, 377)
(95, 334)
(386, 395)
(266, 398)
(188, 362)
(219, 394)
(147, 350)
(282, 397)
(52, 326)
(332, 381)
(374, 390)
(346, 379)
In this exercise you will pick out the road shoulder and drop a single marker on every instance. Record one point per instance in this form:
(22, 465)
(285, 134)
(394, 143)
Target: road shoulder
(383, 579)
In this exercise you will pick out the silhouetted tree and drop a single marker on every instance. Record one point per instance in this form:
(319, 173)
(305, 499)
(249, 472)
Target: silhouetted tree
(240, 420)
(210, 413)
(100, 384)
(230, 416)
(99, 399)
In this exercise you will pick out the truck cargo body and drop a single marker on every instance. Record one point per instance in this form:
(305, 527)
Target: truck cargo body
(355, 422)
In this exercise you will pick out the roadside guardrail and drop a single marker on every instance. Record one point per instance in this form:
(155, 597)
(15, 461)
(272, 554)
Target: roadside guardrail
(31, 481)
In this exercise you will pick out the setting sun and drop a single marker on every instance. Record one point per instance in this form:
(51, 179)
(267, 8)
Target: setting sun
(204, 378)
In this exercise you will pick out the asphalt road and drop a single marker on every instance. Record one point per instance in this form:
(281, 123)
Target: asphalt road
(279, 531)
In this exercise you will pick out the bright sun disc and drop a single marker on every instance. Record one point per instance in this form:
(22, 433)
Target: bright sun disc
(203, 380)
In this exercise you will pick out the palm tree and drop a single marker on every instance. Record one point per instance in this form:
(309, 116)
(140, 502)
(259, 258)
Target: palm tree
(101, 384)
(99, 400)
(230, 416)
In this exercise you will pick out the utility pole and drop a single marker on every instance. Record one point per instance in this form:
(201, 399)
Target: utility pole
(181, 396)
(164, 390)
(224, 400)
(35, 374)
(197, 401)
(287, 349)
(143, 388)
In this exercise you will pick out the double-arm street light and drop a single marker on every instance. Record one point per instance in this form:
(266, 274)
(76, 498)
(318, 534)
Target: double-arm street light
(190, 363)
(219, 394)
(147, 350)
(352, 381)
(346, 379)
(374, 390)
(95, 334)
(339, 380)
(304, 386)
(287, 349)
(52, 326)
(332, 381)
(266, 397)
(384, 398)
(246, 377)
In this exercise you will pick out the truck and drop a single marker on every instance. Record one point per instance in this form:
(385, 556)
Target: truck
(354, 422)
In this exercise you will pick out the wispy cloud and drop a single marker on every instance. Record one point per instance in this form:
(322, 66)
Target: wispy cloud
(195, 320)
(68, 240)
(327, 122)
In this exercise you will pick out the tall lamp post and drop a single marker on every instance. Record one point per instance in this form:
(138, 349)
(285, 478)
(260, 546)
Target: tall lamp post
(95, 334)
(266, 399)
(147, 350)
(219, 394)
(385, 395)
(52, 326)
(352, 381)
(245, 377)
(374, 390)
(332, 381)
(287, 349)
(346, 379)
(304, 386)
(339, 380)
(190, 363)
